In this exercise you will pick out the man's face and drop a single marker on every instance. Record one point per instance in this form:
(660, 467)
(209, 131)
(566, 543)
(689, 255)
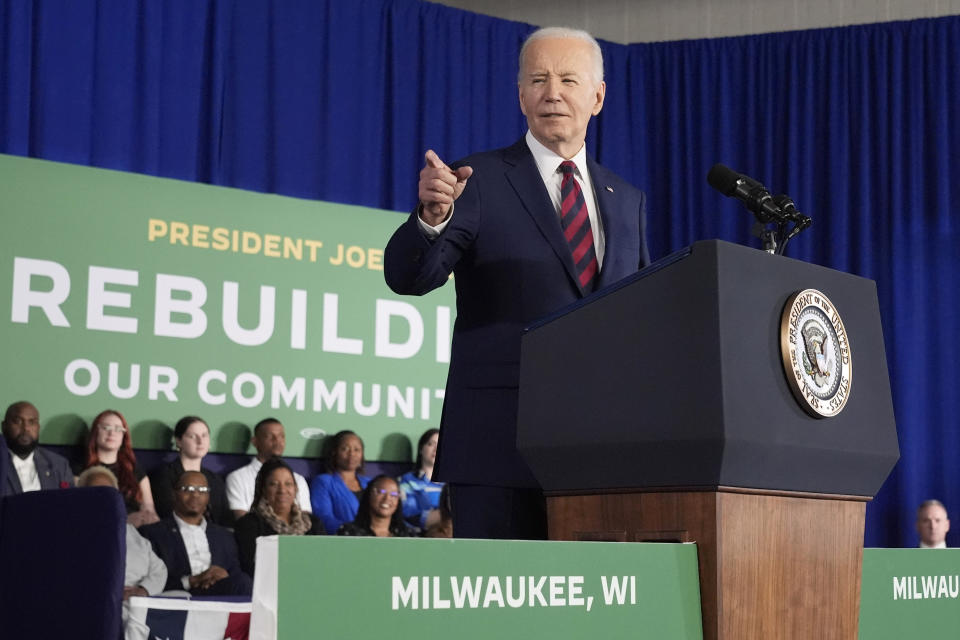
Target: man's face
(190, 496)
(269, 440)
(21, 427)
(932, 525)
(558, 92)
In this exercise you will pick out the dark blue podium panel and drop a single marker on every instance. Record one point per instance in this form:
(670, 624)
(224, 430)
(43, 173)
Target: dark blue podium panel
(674, 378)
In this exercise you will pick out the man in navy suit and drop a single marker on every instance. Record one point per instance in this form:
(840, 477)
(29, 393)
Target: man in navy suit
(201, 557)
(516, 257)
(32, 468)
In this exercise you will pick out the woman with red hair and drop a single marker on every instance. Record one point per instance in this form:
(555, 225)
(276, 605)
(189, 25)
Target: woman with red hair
(109, 445)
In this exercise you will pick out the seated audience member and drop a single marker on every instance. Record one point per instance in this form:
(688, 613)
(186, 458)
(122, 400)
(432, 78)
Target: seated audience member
(192, 436)
(932, 525)
(421, 495)
(443, 528)
(379, 514)
(109, 445)
(144, 573)
(335, 495)
(201, 557)
(275, 511)
(269, 439)
(36, 468)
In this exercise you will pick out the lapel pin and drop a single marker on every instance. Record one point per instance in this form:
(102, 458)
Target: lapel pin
(610, 189)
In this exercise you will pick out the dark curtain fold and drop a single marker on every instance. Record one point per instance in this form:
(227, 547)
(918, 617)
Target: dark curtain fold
(337, 101)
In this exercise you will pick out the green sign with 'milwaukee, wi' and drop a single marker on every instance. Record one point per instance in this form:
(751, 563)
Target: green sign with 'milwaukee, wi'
(161, 298)
(333, 587)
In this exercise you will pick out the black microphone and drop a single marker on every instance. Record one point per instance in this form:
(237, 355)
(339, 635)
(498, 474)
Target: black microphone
(744, 188)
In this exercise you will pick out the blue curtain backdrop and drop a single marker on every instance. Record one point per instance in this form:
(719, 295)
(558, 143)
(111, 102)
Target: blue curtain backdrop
(338, 100)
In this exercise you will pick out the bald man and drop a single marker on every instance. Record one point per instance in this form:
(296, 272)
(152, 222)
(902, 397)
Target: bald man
(35, 468)
(933, 525)
(201, 557)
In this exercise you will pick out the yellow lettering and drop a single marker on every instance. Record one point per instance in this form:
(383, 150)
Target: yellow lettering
(221, 239)
(251, 242)
(200, 232)
(355, 257)
(179, 231)
(292, 247)
(375, 259)
(156, 229)
(314, 245)
(271, 245)
(338, 260)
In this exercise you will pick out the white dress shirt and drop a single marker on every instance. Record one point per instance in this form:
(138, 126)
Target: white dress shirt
(197, 546)
(26, 471)
(548, 163)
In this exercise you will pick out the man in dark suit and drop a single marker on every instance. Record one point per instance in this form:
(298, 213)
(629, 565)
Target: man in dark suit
(201, 557)
(535, 227)
(32, 468)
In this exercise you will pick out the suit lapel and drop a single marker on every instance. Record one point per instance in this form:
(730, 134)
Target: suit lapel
(526, 181)
(43, 469)
(12, 478)
(607, 204)
(183, 559)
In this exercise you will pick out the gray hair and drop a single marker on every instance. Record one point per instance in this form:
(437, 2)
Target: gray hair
(95, 471)
(565, 32)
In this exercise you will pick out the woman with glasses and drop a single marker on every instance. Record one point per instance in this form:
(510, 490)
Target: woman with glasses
(274, 511)
(379, 514)
(192, 437)
(109, 445)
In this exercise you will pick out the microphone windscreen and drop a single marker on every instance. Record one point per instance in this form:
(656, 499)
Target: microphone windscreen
(723, 179)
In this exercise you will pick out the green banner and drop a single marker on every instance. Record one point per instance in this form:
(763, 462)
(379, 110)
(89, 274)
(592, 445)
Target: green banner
(162, 298)
(910, 593)
(483, 589)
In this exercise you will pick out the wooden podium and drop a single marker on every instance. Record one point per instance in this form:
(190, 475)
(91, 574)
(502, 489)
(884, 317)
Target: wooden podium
(659, 410)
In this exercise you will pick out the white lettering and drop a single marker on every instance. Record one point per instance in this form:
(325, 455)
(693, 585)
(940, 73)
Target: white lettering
(405, 595)
(99, 297)
(331, 341)
(614, 589)
(386, 310)
(167, 305)
(24, 297)
(70, 377)
(251, 401)
(203, 387)
(231, 315)
(162, 380)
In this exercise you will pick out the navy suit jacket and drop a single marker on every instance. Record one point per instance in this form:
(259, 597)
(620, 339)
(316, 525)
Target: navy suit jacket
(167, 543)
(511, 266)
(52, 468)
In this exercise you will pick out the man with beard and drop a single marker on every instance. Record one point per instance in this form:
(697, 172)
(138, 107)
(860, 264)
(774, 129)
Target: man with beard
(36, 468)
(201, 557)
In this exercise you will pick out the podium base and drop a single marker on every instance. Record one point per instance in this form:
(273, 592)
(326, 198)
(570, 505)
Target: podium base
(773, 565)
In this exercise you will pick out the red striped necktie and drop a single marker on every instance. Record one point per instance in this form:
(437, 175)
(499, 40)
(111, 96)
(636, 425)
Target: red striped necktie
(576, 227)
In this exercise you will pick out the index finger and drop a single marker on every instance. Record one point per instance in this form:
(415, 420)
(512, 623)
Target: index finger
(433, 160)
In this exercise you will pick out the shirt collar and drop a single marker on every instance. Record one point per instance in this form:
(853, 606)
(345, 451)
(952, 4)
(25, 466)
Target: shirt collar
(548, 162)
(22, 462)
(939, 545)
(181, 524)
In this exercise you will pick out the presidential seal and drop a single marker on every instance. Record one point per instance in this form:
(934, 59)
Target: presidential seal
(816, 353)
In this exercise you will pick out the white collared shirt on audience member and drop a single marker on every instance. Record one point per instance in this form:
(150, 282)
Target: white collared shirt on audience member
(27, 472)
(197, 546)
